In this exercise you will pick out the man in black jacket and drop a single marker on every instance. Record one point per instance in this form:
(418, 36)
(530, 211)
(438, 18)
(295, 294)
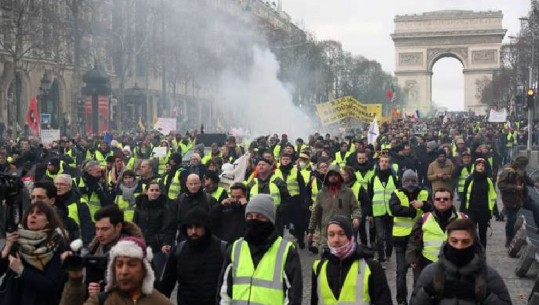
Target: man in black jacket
(195, 263)
(228, 217)
(193, 197)
(261, 249)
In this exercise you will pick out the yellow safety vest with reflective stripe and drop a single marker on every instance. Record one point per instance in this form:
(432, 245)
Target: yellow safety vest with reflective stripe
(274, 190)
(491, 194)
(73, 212)
(433, 237)
(162, 161)
(386, 146)
(102, 159)
(382, 194)
(92, 199)
(355, 289)
(70, 154)
(218, 192)
(355, 188)
(126, 207)
(464, 173)
(511, 140)
(175, 186)
(402, 226)
(262, 285)
(364, 180)
(185, 147)
(277, 151)
(291, 181)
(340, 160)
(306, 175)
(61, 170)
(207, 157)
(314, 189)
(131, 163)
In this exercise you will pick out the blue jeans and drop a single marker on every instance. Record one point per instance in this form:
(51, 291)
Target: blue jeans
(511, 214)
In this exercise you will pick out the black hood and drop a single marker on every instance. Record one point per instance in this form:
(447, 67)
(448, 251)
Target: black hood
(197, 216)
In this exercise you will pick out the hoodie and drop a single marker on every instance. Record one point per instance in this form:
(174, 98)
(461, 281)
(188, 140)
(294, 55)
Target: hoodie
(196, 268)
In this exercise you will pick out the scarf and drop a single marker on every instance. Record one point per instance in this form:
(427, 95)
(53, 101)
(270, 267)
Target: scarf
(128, 192)
(35, 248)
(344, 251)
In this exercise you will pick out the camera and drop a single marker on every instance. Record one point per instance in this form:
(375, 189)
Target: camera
(10, 191)
(95, 266)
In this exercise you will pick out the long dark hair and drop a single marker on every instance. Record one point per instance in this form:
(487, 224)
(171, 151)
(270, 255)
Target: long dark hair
(54, 222)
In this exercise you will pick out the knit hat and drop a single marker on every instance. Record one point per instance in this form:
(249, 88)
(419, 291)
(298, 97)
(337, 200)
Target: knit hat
(127, 148)
(304, 155)
(409, 174)
(262, 204)
(344, 223)
(480, 160)
(134, 247)
(432, 145)
(521, 161)
(54, 162)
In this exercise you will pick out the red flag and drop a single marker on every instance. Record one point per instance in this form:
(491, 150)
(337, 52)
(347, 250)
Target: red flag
(32, 117)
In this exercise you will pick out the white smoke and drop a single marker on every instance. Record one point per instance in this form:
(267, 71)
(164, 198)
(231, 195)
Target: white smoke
(260, 102)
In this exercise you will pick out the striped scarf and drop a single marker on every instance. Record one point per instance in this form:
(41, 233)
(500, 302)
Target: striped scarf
(36, 248)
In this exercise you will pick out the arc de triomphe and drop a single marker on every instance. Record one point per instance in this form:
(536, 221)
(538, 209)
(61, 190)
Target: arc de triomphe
(474, 38)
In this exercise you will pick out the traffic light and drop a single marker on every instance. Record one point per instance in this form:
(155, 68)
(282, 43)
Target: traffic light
(530, 98)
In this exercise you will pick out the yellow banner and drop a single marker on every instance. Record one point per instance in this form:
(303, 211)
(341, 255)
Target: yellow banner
(342, 108)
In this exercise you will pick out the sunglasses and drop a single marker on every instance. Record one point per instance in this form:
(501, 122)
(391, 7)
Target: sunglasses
(442, 199)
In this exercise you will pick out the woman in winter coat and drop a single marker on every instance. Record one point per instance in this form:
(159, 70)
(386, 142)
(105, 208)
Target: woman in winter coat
(154, 220)
(343, 267)
(30, 261)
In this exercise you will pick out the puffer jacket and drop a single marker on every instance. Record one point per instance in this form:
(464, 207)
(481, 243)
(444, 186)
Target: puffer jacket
(474, 283)
(155, 221)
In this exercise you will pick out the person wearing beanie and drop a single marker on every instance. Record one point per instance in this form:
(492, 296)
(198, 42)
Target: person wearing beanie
(335, 198)
(462, 172)
(172, 179)
(440, 171)
(407, 204)
(260, 258)
(479, 199)
(55, 167)
(331, 280)
(461, 275)
(268, 182)
(195, 263)
(382, 184)
(130, 278)
(129, 160)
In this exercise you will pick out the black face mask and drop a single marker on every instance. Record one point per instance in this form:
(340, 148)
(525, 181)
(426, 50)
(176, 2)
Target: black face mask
(459, 257)
(257, 232)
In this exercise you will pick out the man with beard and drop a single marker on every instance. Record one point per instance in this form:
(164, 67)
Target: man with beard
(195, 263)
(193, 197)
(261, 268)
(440, 172)
(479, 199)
(102, 152)
(407, 204)
(296, 212)
(335, 198)
(461, 275)
(77, 208)
(91, 187)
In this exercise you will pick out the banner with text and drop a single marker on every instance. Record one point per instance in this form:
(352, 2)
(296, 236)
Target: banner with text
(342, 108)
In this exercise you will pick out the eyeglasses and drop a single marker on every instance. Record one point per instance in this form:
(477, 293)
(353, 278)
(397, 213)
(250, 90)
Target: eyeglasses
(442, 199)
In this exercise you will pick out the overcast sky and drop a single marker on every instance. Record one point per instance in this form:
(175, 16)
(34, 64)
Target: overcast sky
(364, 28)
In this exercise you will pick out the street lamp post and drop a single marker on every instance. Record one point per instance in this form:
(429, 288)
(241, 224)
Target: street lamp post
(531, 107)
(44, 93)
(97, 82)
